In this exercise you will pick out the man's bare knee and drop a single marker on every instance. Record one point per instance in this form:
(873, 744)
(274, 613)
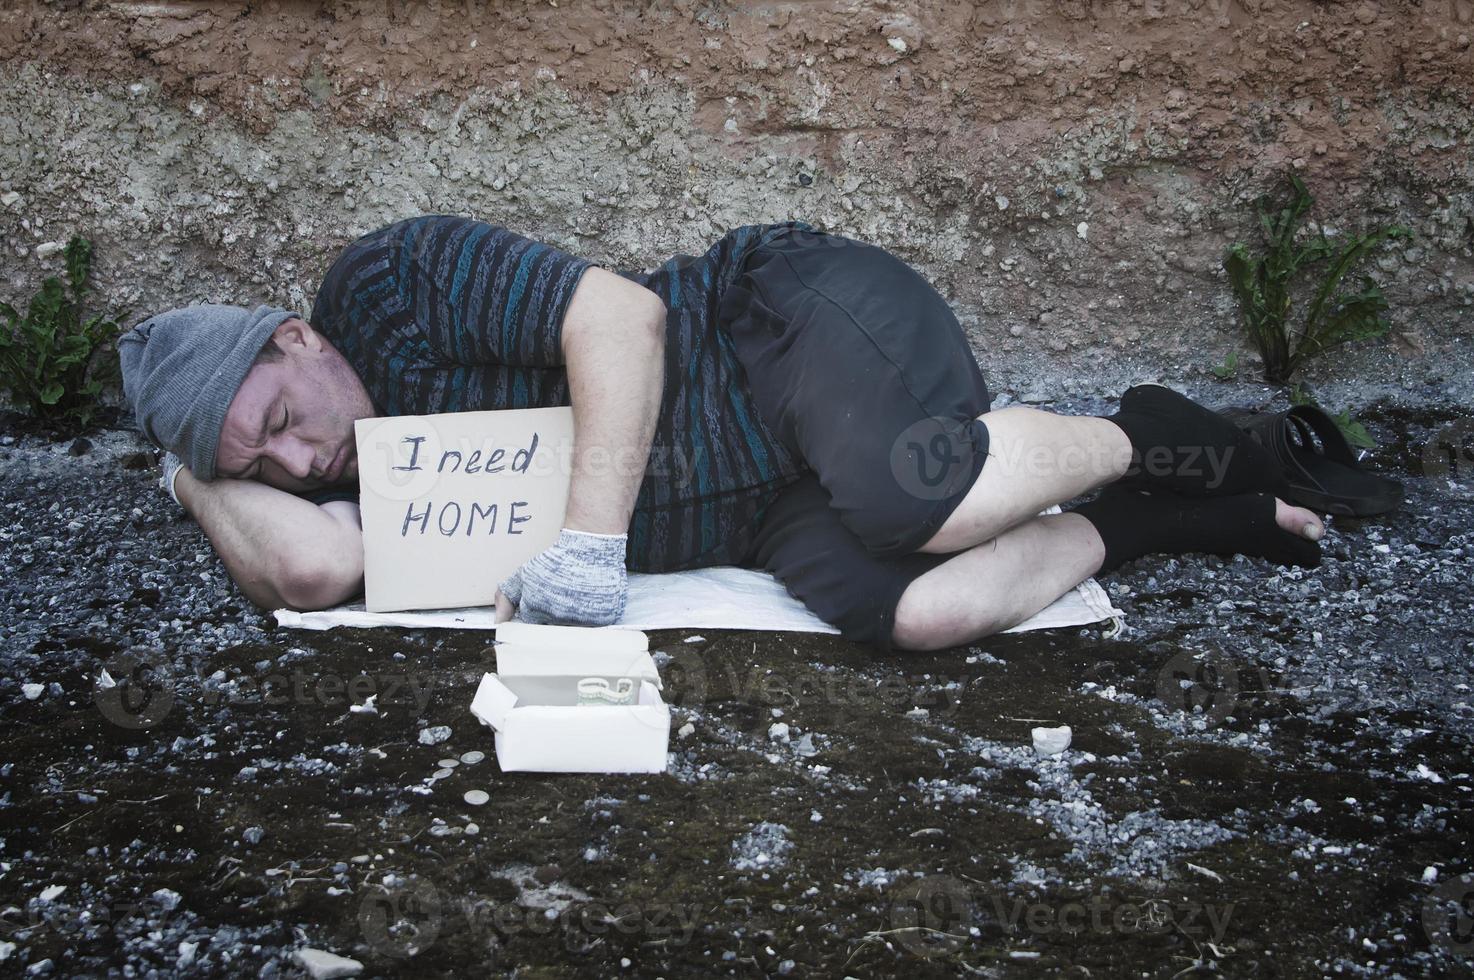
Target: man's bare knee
(921, 623)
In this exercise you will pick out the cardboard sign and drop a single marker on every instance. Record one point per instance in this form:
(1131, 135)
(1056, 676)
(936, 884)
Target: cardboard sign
(452, 504)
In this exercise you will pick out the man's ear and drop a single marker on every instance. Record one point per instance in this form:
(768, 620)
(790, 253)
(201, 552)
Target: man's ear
(295, 333)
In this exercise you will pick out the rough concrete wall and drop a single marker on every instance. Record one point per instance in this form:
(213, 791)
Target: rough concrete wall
(1067, 173)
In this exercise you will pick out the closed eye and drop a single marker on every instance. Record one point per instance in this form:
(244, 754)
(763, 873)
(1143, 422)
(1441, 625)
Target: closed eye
(255, 471)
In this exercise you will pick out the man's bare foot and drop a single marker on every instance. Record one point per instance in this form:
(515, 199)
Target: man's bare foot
(1131, 524)
(1298, 520)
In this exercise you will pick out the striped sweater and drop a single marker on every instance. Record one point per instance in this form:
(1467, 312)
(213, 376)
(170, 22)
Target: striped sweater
(448, 314)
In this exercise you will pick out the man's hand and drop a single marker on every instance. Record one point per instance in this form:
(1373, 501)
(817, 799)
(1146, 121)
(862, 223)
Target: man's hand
(579, 581)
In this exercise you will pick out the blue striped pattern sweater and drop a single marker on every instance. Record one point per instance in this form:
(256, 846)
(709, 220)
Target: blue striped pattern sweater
(449, 314)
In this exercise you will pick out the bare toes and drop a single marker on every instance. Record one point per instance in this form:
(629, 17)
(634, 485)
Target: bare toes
(1298, 520)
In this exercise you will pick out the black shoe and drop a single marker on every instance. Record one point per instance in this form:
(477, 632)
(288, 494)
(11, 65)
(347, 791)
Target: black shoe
(1179, 446)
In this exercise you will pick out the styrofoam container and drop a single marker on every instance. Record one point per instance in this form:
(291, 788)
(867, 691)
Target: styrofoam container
(531, 701)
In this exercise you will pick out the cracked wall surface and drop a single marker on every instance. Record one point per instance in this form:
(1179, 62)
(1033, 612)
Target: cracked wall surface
(1066, 173)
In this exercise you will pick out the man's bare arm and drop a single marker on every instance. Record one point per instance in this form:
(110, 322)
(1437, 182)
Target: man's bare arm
(614, 345)
(281, 550)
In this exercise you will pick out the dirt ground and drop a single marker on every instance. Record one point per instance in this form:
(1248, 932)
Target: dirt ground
(1270, 774)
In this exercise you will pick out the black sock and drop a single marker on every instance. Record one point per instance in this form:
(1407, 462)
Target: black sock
(1180, 446)
(1132, 524)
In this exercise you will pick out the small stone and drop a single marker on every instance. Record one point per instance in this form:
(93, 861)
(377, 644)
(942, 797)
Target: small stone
(80, 446)
(778, 732)
(253, 835)
(1002, 201)
(472, 757)
(1051, 741)
(10, 199)
(434, 735)
(47, 249)
(1083, 230)
(686, 730)
(32, 691)
(52, 892)
(477, 797)
(472, 829)
(322, 965)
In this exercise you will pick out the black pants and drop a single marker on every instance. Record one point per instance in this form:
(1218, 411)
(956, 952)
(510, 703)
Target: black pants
(859, 366)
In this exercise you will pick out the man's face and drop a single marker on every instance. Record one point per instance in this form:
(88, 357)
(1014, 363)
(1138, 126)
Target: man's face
(291, 423)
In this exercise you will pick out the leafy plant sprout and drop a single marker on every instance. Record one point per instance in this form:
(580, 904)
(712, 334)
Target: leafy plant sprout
(1264, 286)
(46, 355)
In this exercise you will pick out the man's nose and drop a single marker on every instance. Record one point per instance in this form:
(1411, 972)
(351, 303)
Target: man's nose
(296, 457)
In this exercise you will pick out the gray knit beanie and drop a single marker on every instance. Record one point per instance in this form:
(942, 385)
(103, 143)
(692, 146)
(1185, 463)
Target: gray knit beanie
(181, 371)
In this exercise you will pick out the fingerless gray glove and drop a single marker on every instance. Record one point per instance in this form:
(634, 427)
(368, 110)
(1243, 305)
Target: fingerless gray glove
(579, 581)
(172, 465)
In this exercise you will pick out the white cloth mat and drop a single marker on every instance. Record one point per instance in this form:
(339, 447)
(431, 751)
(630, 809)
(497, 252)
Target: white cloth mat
(723, 597)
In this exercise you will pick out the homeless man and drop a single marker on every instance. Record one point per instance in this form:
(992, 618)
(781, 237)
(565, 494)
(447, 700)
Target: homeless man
(793, 401)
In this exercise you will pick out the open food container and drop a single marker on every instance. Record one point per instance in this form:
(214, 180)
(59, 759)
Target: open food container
(574, 699)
